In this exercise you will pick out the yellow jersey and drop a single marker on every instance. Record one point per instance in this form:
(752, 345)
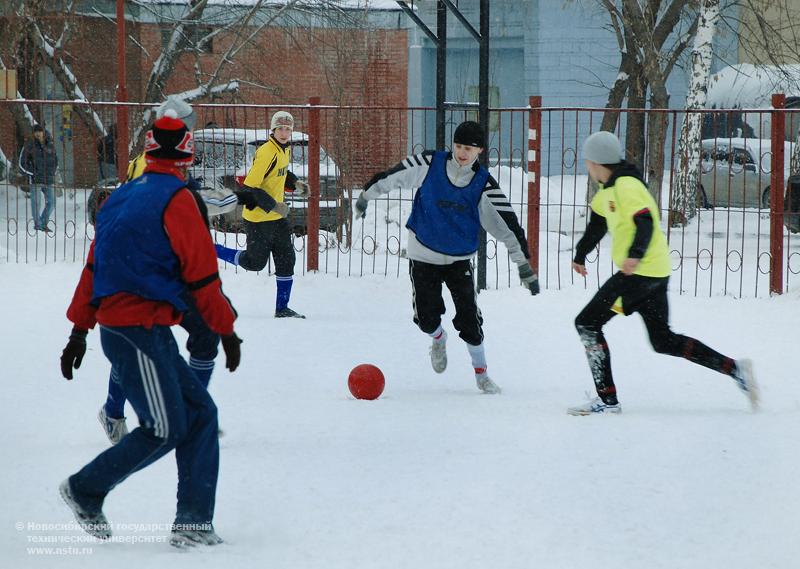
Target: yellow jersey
(619, 204)
(268, 173)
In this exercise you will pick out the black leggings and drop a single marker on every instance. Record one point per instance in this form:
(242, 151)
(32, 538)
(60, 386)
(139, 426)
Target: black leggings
(648, 297)
(426, 290)
(265, 238)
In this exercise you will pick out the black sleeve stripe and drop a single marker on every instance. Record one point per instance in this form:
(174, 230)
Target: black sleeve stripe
(196, 285)
(495, 193)
(271, 167)
(419, 162)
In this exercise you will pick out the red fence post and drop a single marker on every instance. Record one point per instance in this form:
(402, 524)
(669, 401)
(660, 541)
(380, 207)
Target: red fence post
(778, 135)
(534, 177)
(312, 214)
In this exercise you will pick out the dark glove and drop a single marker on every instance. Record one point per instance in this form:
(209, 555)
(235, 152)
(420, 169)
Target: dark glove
(72, 356)
(246, 198)
(528, 279)
(361, 206)
(233, 352)
(301, 189)
(194, 183)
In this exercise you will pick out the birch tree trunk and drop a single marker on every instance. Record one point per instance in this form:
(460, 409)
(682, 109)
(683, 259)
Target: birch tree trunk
(683, 205)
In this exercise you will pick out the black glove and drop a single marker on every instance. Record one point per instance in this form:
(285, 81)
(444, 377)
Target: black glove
(301, 189)
(246, 198)
(528, 279)
(194, 183)
(73, 353)
(233, 352)
(361, 206)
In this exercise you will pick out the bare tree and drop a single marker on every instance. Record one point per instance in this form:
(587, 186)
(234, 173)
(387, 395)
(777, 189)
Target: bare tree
(683, 204)
(190, 29)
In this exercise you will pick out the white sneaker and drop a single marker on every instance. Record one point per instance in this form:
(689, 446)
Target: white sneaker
(185, 537)
(486, 384)
(115, 428)
(595, 406)
(746, 380)
(438, 353)
(92, 521)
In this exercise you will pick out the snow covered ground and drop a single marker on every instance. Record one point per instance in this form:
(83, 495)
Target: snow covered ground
(434, 474)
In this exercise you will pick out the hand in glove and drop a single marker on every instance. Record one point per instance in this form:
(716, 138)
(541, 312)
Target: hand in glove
(246, 198)
(361, 206)
(281, 209)
(233, 351)
(73, 353)
(301, 189)
(528, 279)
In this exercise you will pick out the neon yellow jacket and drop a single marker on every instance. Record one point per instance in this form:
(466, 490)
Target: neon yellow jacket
(619, 203)
(136, 167)
(268, 173)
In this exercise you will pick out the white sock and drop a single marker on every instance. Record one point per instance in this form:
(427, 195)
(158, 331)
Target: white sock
(478, 356)
(438, 335)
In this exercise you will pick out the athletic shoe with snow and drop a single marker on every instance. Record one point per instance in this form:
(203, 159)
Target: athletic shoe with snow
(486, 384)
(438, 353)
(746, 380)
(115, 428)
(595, 406)
(185, 536)
(91, 520)
(287, 313)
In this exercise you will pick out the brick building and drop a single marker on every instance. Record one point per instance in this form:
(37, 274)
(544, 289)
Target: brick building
(354, 57)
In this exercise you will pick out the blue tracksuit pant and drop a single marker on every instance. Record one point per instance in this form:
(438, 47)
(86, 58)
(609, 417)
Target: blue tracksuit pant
(175, 412)
(202, 346)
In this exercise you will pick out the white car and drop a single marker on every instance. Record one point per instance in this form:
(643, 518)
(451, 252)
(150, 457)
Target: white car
(224, 155)
(735, 172)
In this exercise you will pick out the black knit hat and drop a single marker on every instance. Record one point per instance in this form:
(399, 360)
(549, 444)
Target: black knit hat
(38, 128)
(469, 133)
(170, 141)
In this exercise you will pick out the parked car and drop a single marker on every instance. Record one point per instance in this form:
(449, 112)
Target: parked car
(224, 155)
(735, 172)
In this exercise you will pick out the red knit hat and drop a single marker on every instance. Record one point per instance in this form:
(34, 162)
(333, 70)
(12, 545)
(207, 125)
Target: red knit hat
(170, 141)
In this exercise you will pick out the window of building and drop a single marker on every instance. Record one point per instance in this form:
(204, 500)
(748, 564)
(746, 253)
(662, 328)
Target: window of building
(494, 101)
(196, 35)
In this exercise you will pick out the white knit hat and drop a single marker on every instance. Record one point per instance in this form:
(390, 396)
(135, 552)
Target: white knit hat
(281, 118)
(183, 110)
(603, 148)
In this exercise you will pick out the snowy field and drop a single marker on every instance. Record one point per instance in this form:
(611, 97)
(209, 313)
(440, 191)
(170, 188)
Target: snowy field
(434, 474)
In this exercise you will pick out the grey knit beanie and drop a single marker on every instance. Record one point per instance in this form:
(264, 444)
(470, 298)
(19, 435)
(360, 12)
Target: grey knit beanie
(603, 148)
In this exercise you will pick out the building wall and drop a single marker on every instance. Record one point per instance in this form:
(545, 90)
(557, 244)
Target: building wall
(782, 17)
(279, 67)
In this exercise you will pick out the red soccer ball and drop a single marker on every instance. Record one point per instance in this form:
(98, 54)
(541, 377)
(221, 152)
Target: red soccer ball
(366, 381)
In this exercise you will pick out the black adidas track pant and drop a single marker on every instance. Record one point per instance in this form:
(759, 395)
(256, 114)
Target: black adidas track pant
(426, 291)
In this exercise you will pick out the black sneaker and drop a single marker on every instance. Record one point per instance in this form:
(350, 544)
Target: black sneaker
(287, 313)
(191, 535)
(92, 521)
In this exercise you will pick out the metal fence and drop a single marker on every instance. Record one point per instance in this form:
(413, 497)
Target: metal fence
(737, 244)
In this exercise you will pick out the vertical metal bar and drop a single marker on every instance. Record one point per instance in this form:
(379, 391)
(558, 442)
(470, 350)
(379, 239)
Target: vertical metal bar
(483, 119)
(776, 196)
(441, 71)
(312, 214)
(534, 178)
(122, 95)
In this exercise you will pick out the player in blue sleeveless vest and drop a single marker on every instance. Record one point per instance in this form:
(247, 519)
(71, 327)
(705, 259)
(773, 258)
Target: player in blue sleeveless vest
(202, 343)
(456, 197)
(152, 248)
